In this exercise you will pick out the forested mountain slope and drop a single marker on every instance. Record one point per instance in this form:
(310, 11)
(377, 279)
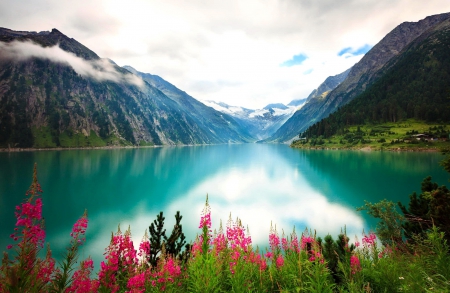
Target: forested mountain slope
(360, 77)
(415, 84)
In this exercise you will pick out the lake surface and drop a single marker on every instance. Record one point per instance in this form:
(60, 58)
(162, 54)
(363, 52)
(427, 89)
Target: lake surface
(258, 183)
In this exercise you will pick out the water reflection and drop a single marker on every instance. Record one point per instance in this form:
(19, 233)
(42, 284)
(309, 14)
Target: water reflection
(257, 183)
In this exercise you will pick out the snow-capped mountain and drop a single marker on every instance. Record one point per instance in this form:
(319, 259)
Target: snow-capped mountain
(260, 123)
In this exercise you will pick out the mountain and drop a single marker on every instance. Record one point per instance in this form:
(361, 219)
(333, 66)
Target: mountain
(361, 75)
(298, 102)
(54, 91)
(288, 130)
(328, 85)
(414, 84)
(260, 123)
(205, 117)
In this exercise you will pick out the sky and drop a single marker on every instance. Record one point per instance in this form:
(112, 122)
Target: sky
(244, 53)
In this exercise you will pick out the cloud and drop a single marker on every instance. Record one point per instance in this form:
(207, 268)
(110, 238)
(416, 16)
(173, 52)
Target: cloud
(216, 40)
(100, 70)
(295, 60)
(288, 201)
(359, 51)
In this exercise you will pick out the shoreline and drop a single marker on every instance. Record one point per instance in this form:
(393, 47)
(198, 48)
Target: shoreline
(370, 149)
(17, 150)
(364, 149)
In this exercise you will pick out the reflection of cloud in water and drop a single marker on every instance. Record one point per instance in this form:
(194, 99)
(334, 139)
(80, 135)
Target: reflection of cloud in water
(258, 197)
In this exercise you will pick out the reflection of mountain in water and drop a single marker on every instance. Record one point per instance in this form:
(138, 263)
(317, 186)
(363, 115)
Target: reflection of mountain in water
(353, 177)
(258, 183)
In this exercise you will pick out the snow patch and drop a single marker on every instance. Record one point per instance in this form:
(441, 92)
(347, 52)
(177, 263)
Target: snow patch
(259, 112)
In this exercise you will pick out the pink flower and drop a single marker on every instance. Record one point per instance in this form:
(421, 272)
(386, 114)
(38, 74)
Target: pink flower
(144, 248)
(136, 284)
(81, 281)
(236, 235)
(355, 264)
(280, 261)
(369, 240)
(79, 230)
(284, 244)
(9, 246)
(172, 268)
(274, 240)
(306, 242)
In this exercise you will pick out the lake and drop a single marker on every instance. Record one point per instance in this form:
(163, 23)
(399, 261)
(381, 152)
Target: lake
(259, 183)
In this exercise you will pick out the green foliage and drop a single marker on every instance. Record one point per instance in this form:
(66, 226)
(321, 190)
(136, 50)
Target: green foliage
(428, 209)
(446, 162)
(389, 229)
(173, 245)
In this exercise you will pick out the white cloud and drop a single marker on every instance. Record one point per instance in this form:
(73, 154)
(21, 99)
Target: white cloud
(99, 70)
(219, 43)
(259, 197)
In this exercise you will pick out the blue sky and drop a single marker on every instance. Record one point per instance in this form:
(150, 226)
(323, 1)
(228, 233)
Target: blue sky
(295, 60)
(358, 51)
(224, 50)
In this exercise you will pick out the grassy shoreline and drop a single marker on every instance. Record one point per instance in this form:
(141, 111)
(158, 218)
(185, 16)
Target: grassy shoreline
(401, 136)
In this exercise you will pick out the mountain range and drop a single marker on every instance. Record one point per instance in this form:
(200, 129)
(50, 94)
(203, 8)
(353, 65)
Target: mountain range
(55, 92)
(260, 123)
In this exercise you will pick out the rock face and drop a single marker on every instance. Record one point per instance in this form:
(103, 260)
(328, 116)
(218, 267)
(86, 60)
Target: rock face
(361, 75)
(53, 90)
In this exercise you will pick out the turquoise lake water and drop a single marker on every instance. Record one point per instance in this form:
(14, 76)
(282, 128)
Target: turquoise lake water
(259, 183)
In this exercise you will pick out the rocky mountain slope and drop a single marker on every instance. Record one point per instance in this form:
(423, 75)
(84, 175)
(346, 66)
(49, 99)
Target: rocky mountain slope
(56, 92)
(361, 75)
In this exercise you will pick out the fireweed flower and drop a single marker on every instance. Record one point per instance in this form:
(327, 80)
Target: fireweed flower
(29, 217)
(284, 243)
(205, 224)
(136, 284)
(81, 281)
(355, 264)
(369, 240)
(306, 242)
(236, 235)
(274, 240)
(205, 219)
(120, 258)
(279, 261)
(79, 229)
(294, 245)
(219, 243)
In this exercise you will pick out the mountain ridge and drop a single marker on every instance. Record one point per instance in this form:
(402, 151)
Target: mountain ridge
(360, 76)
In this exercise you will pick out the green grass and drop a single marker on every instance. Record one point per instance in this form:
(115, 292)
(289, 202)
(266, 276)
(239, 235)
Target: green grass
(43, 138)
(68, 139)
(389, 136)
(144, 143)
